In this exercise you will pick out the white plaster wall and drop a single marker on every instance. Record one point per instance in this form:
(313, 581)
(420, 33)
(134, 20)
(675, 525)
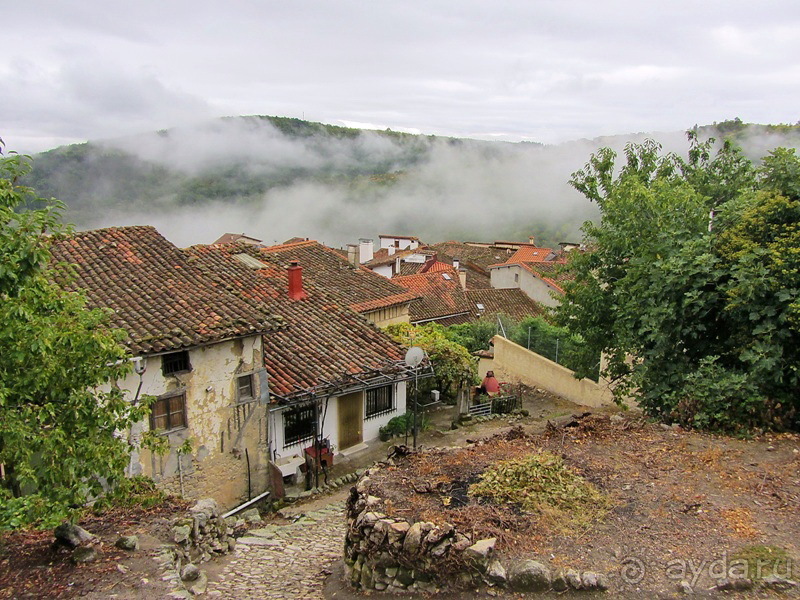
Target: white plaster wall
(536, 289)
(371, 426)
(404, 243)
(385, 270)
(502, 278)
(330, 427)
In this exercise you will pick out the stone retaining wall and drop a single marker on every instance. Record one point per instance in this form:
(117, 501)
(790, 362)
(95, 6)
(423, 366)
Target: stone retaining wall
(393, 554)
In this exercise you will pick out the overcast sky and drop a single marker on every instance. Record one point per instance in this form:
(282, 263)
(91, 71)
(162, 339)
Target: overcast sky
(539, 70)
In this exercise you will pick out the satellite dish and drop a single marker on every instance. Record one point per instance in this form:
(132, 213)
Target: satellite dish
(414, 356)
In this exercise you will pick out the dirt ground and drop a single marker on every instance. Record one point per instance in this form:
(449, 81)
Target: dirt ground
(686, 505)
(33, 566)
(678, 496)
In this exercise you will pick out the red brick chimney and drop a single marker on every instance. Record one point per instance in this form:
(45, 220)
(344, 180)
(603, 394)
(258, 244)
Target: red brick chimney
(296, 291)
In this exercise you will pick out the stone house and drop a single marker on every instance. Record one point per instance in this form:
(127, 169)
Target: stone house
(535, 271)
(198, 350)
(334, 377)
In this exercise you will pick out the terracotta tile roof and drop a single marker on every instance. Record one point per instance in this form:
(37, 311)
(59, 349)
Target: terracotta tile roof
(456, 320)
(479, 256)
(440, 297)
(159, 297)
(512, 302)
(407, 268)
(359, 288)
(528, 253)
(323, 339)
(381, 257)
(229, 238)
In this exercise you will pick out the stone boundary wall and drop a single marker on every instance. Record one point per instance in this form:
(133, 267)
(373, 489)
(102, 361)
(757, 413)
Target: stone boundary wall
(199, 536)
(512, 362)
(382, 553)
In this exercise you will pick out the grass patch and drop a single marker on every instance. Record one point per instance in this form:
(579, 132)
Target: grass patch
(542, 484)
(762, 561)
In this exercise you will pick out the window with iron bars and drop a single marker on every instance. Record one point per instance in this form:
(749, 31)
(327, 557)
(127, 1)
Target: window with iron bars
(380, 401)
(298, 425)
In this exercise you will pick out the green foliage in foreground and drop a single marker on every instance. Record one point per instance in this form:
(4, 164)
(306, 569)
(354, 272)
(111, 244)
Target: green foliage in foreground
(697, 313)
(542, 484)
(453, 365)
(58, 431)
(401, 424)
(131, 492)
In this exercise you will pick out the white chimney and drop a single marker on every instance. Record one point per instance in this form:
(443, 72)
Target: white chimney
(365, 252)
(462, 278)
(352, 254)
(390, 250)
(456, 263)
(531, 240)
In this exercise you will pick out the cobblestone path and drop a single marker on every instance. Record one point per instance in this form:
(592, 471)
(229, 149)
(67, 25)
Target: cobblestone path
(284, 561)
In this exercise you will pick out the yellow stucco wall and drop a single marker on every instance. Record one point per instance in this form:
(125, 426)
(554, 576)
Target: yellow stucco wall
(388, 316)
(223, 432)
(514, 363)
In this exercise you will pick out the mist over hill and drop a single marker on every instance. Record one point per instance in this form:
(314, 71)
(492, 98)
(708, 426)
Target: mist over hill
(276, 178)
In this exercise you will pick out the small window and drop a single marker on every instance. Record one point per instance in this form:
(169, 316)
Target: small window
(446, 276)
(244, 388)
(168, 413)
(298, 425)
(380, 401)
(175, 362)
(516, 276)
(480, 306)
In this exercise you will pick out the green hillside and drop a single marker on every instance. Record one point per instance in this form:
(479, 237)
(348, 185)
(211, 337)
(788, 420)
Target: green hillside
(260, 161)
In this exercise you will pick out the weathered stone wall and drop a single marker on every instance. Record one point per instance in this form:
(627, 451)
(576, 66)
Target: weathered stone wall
(392, 554)
(384, 553)
(224, 432)
(202, 534)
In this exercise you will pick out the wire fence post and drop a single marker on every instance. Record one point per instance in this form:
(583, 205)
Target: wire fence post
(556, 350)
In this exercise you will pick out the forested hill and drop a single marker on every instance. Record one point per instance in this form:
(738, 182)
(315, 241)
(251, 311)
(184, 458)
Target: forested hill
(277, 177)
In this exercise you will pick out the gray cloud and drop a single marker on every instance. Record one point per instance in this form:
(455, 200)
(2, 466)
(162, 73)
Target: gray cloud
(466, 190)
(545, 71)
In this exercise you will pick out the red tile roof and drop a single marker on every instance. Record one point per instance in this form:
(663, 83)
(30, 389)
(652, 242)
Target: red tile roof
(324, 341)
(440, 297)
(158, 297)
(382, 257)
(512, 302)
(528, 253)
(359, 288)
(229, 238)
(481, 257)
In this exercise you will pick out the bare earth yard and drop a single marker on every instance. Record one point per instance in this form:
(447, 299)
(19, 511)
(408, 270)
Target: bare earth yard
(684, 505)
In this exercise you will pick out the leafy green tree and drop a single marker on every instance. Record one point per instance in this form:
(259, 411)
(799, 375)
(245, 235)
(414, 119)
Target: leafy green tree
(690, 285)
(453, 365)
(473, 336)
(58, 431)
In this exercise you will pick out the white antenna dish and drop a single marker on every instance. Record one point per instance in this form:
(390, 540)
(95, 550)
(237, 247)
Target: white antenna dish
(414, 356)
